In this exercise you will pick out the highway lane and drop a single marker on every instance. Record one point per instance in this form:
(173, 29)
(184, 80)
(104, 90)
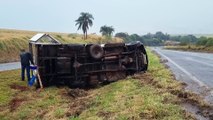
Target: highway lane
(10, 66)
(193, 68)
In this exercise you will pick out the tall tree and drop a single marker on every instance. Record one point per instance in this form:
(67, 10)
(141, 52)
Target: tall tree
(84, 21)
(121, 35)
(107, 30)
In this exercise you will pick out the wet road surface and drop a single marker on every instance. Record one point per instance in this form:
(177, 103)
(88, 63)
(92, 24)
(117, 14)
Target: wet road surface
(193, 68)
(10, 66)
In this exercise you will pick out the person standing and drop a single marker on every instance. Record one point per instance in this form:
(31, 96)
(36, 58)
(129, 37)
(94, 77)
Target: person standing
(26, 58)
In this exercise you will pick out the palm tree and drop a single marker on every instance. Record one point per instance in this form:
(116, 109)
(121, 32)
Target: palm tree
(84, 21)
(107, 30)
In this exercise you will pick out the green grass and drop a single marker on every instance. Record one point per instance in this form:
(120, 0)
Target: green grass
(5, 91)
(127, 99)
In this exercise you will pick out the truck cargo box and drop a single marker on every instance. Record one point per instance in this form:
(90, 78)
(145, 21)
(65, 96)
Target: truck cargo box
(88, 64)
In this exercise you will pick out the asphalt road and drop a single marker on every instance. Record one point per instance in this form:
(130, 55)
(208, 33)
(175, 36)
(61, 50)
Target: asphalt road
(10, 66)
(193, 68)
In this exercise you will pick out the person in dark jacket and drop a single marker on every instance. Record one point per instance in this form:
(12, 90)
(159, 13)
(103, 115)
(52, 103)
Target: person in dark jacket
(26, 58)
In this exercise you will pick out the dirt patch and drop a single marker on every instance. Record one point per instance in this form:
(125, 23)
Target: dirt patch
(15, 103)
(80, 101)
(146, 116)
(41, 113)
(104, 114)
(19, 87)
(75, 93)
(163, 60)
(145, 78)
(78, 106)
(207, 113)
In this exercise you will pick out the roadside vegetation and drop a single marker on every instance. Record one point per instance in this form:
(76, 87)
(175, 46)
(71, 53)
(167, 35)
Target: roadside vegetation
(202, 44)
(177, 42)
(151, 95)
(107, 31)
(148, 39)
(193, 48)
(12, 41)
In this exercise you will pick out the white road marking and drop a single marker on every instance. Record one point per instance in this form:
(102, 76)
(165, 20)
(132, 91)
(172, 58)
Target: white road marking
(200, 83)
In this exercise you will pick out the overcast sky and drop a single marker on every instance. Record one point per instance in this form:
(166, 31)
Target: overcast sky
(132, 16)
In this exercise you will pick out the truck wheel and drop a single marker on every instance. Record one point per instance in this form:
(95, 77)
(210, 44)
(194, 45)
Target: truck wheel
(96, 51)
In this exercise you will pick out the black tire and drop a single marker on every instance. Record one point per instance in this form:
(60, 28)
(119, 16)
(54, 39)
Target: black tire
(143, 51)
(96, 51)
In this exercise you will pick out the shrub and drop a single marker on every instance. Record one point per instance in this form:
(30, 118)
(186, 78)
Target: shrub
(209, 42)
(202, 41)
(1, 46)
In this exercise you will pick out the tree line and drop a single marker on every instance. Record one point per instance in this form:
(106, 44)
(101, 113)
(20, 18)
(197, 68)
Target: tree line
(148, 39)
(85, 21)
(204, 41)
(159, 38)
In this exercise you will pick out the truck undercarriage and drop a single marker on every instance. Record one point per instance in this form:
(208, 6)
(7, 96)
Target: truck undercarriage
(88, 64)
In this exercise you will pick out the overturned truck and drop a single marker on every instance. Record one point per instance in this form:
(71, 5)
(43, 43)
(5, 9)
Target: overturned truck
(88, 64)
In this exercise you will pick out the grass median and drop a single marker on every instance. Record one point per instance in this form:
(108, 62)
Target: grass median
(194, 48)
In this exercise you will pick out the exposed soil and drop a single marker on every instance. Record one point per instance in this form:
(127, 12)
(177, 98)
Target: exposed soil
(207, 113)
(75, 93)
(15, 103)
(145, 116)
(105, 115)
(41, 113)
(194, 104)
(81, 100)
(19, 87)
(77, 107)
(145, 78)
(163, 61)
